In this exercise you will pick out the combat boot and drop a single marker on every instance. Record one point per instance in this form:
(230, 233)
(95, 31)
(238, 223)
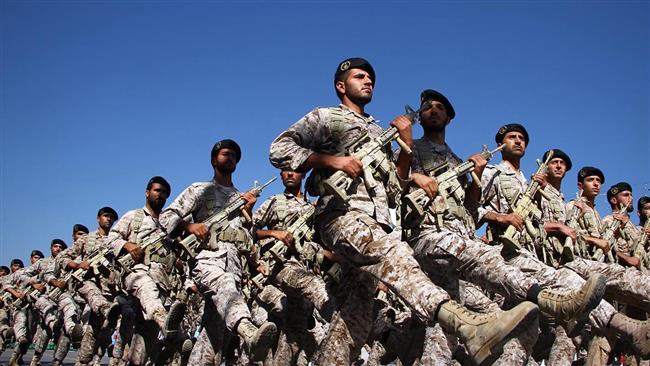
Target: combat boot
(76, 335)
(636, 331)
(485, 334)
(571, 308)
(36, 360)
(257, 340)
(170, 322)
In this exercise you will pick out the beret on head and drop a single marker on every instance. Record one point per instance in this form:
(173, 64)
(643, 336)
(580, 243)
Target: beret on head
(37, 252)
(642, 202)
(557, 153)
(226, 144)
(617, 188)
(60, 242)
(5, 269)
(354, 63)
(107, 210)
(588, 171)
(431, 94)
(80, 227)
(516, 127)
(17, 261)
(160, 180)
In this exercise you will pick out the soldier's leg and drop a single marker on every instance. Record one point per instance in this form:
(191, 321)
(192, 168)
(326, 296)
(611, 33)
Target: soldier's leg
(89, 346)
(363, 242)
(273, 300)
(4, 327)
(41, 338)
(299, 282)
(624, 284)
(61, 348)
(140, 284)
(98, 303)
(20, 328)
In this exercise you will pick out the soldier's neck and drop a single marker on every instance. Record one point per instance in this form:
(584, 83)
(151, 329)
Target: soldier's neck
(223, 179)
(101, 231)
(437, 137)
(555, 183)
(152, 212)
(294, 191)
(514, 163)
(353, 106)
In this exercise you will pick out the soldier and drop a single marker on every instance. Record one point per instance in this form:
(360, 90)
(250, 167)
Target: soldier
(5, 325)
(150, 278)
(79, 230)
(444, 241)
(217, 269)
(277, 214)
(620, 196)
(361, 231)
(501, 183)
(97, 290)
(642, 250)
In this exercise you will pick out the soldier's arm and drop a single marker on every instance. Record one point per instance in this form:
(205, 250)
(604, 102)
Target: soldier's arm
(488, 211)
(119, 234)
(173, 216)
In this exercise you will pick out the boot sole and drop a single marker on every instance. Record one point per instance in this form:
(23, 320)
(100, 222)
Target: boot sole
(493, 347)
(174, 320)
(597, 286)
(266, 338)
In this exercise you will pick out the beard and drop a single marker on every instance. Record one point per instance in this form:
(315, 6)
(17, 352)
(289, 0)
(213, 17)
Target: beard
(225, 169)
(156, 204)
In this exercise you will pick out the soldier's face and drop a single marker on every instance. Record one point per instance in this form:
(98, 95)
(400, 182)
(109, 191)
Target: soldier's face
(291, 179)
(56, 249)
(435, 117)
(105, 221)
(590, 186)
(622, 199)
(515, 144)
(645, 211)
(157, 196)
(15, 267)
(556, 168)
(357, 86)
(78, 234)
(34, 258)
(225, 161)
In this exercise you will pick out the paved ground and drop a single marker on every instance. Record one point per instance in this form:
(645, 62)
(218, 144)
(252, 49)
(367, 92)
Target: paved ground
(69, 361)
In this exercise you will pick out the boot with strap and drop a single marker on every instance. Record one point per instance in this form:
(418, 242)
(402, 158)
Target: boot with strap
(571, 308)
(485, 334)
(257, 340)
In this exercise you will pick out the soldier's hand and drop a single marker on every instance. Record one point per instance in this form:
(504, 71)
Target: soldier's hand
(479, 164)
(513, 219)
(568, 232)
(250, 200)
(348, 164)
(622, 218)
(404, 128)
(541, 180)
(428, 184)
(135, 251)
(647, 231)
(39, 286)
(261, 268)
(199, 230)
(57, 283)
(83, 265)
(603, 245)
(284, 236)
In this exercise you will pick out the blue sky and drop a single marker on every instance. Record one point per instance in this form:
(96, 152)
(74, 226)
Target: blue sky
(96, 97)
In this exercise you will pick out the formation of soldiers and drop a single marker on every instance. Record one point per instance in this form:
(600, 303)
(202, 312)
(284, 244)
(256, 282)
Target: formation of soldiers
(385, 264)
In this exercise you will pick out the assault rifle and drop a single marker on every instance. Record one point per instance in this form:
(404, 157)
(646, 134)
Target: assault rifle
(569, 247)
(369, 152)
(643, 239)
(154, 241)
(448, 184)
(299, 228)
(524, 205)
(609, 236)
(191, 245)
(99, 262)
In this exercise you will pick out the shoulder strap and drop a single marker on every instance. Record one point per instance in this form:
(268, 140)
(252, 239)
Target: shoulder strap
(137, 221)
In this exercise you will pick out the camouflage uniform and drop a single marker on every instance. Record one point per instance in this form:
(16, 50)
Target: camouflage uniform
(146, 282)
(23, 318)
(218, 269)
(624, 237)
(98, 292)
(359, 230)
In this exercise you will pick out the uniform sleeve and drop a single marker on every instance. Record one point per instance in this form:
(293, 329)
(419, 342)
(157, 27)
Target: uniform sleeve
(489, 199)
(261, 215)
(292, 148)
(71, 253)
(183, 205)
(119, 234)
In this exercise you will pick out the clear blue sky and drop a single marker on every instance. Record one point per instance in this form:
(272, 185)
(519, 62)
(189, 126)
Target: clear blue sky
(96, 97)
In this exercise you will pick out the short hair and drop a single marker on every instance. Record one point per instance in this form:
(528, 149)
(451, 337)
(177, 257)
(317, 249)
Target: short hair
(5, 269)
(160, 180)
(80, 227)
(18, 262)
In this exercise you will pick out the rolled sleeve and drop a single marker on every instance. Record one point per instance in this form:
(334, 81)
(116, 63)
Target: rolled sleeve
(291, 149)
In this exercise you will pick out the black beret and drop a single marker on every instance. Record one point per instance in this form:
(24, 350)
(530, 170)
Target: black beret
(80, 227)
(37, 252)
(431, 94)
(5, 268)
(160, 180)
(557, 153)
(107, 210)
(588, 171)
(642, 202)
(17, 261)
(226, 144)
(60, 242)
(617, 188)
(354, 63)
(509, 128)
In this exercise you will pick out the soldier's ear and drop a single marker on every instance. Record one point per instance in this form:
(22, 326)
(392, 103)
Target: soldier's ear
(580, 185)
(340, 86)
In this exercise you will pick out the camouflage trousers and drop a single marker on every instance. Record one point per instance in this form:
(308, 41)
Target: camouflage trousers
(4, 327)
(218, 273)
(624, 284)
(562, 278)
(47, 310)
(212, 340)
(373, 255)
(140, 284)
(70, 312)
(93, 296)
(296, 281)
